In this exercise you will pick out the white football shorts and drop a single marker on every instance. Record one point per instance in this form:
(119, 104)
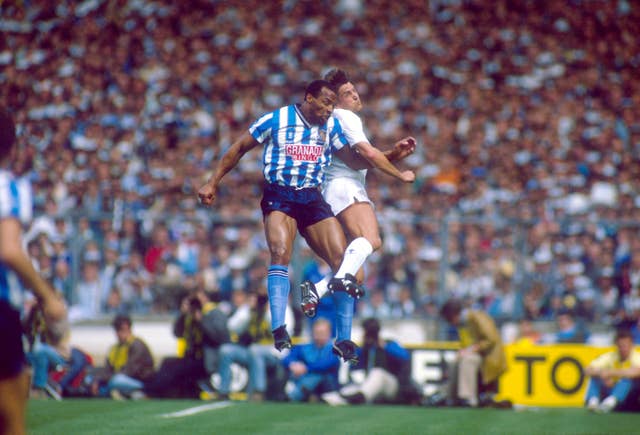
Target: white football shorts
(340, 193)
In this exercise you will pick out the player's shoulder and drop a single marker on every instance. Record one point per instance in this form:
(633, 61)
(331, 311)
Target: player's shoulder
(6, 177)
(346, 116)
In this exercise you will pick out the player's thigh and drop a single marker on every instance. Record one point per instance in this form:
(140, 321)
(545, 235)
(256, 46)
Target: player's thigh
(14, 392)
(327, 239)
(359, 220)
(280, 232)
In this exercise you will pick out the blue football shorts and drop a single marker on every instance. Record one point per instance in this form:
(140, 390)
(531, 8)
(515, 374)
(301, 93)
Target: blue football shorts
(306, 206)
(12, 357)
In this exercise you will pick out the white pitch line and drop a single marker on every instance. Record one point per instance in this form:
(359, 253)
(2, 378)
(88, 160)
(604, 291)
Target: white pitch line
(197, 409)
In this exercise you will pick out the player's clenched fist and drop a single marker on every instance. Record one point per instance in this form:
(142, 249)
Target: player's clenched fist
(207, 194)
(408, 176)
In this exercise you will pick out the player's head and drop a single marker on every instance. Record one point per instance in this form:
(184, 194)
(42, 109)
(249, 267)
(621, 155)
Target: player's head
(319, 101)
(7, 133)
(348, 97)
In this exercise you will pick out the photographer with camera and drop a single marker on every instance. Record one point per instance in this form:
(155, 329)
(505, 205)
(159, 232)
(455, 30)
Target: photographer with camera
(387, 373)
(203, 327)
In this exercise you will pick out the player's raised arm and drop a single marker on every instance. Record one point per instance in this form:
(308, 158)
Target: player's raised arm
(207, 193)
(378, 160)
(401, 149)
(367, 156)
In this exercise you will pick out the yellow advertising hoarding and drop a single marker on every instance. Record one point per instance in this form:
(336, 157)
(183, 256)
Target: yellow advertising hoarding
(547, 375)
(538, 375)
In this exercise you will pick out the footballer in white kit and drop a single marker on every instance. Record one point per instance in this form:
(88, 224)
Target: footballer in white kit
(342, 185)
(344, 190)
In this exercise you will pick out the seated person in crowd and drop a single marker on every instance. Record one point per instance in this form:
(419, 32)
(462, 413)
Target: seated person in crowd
(129, 363)
(567, 330)
(387, 373)
(313, 367)
(252, 348)
(49, 348)
(201, 324)
(481, 357)
(614, 377)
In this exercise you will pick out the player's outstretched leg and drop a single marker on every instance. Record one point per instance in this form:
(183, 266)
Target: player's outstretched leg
(344, 347)
(347, 350)
(309, 298)
(348, 284)
(281, 339)
(278, 289)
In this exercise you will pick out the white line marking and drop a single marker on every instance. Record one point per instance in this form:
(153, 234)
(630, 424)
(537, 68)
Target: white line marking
(197, 409)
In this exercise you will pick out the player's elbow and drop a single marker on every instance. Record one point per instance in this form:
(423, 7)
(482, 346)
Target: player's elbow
(370, 154)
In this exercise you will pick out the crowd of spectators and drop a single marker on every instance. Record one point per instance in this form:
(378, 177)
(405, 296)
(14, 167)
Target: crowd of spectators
(527, 116)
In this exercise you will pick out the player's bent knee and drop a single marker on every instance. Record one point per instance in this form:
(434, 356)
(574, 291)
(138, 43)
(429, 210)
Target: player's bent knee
(279, 255)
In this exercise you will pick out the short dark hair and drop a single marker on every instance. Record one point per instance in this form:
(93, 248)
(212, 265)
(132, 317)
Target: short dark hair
(7, 131)
(337, 78)
(371, 326)
(121, 319)
(451, 308)
(315, 87)
(623, 333)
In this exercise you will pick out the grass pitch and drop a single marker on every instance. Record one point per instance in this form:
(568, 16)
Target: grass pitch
(96, 416)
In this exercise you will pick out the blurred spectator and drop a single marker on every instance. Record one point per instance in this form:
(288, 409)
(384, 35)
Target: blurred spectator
(481, 358)
(133, 281)
(129, 363)
(253, 349)
(50, 349)
(312, 367)
(62, 280)
(200, 324)
(375, 306)
(613, 377)
(387, 373)
(88, 300)
(567, 330)
(506, 303)
(158, 248)
(404, 307)
(527, 333)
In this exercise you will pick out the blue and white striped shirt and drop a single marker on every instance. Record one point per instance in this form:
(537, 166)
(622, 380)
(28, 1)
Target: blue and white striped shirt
(295, 151)
(15, 202)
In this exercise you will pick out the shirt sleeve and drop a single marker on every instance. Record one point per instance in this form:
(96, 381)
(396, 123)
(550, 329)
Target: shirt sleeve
(15, 198)
(336, 135)
(352, 127)
(604, 361)
(261, 129)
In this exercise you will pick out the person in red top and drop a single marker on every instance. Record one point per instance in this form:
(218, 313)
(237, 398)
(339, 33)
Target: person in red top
(160, 244)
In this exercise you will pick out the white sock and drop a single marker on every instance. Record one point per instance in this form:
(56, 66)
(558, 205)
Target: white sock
(609, 403)
(322, 287)
(354, 257)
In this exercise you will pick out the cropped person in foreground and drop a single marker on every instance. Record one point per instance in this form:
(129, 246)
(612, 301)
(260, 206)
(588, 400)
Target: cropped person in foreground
(15, 210)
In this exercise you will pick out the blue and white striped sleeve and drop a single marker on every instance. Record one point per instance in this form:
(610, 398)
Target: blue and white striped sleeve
(261, 129)
(15, 198)
(336, 135)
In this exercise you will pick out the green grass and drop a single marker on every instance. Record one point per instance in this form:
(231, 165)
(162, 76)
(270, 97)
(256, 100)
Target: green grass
(94, 416)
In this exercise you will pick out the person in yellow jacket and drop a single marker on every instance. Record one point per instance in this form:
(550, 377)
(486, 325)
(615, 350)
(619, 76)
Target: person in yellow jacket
(481, 357)
(129, 363)
(614, 377)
